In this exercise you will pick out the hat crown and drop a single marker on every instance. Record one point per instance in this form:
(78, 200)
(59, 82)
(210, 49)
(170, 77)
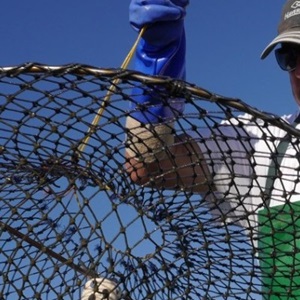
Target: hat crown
(290, 16)
(289, 27)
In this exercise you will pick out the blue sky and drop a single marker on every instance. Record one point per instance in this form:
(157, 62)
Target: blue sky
(224, 39)
(224, 42)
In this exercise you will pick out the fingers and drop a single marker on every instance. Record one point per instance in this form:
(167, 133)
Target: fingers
(147, 12)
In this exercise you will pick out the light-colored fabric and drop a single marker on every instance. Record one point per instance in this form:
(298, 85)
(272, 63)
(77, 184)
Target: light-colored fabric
(239, 158)
(101, 289)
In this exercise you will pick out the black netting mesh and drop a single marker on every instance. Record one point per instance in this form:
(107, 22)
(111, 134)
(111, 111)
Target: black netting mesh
(67, 216)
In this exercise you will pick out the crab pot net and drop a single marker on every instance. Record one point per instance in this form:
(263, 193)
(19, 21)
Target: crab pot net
(70, 210)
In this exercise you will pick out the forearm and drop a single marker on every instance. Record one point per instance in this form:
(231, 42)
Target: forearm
(160, 52)
(148, 142)
(155, 154)
(182, 167)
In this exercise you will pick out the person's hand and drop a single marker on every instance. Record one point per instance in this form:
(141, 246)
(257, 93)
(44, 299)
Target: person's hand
(161, 51)
(101, 288)
(148, 12)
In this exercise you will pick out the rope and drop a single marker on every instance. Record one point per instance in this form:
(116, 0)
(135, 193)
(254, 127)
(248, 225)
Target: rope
(110, 92)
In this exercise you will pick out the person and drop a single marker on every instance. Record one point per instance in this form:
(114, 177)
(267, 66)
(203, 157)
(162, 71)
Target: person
(233, 167)
(244, 172)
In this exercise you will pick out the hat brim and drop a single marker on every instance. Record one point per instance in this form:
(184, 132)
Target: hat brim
(285, 37)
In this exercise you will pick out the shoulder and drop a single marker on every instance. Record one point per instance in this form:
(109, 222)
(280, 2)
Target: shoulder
(260, 127)
(291, 117)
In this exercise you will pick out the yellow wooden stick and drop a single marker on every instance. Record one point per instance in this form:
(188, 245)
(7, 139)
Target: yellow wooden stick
(110, 92)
